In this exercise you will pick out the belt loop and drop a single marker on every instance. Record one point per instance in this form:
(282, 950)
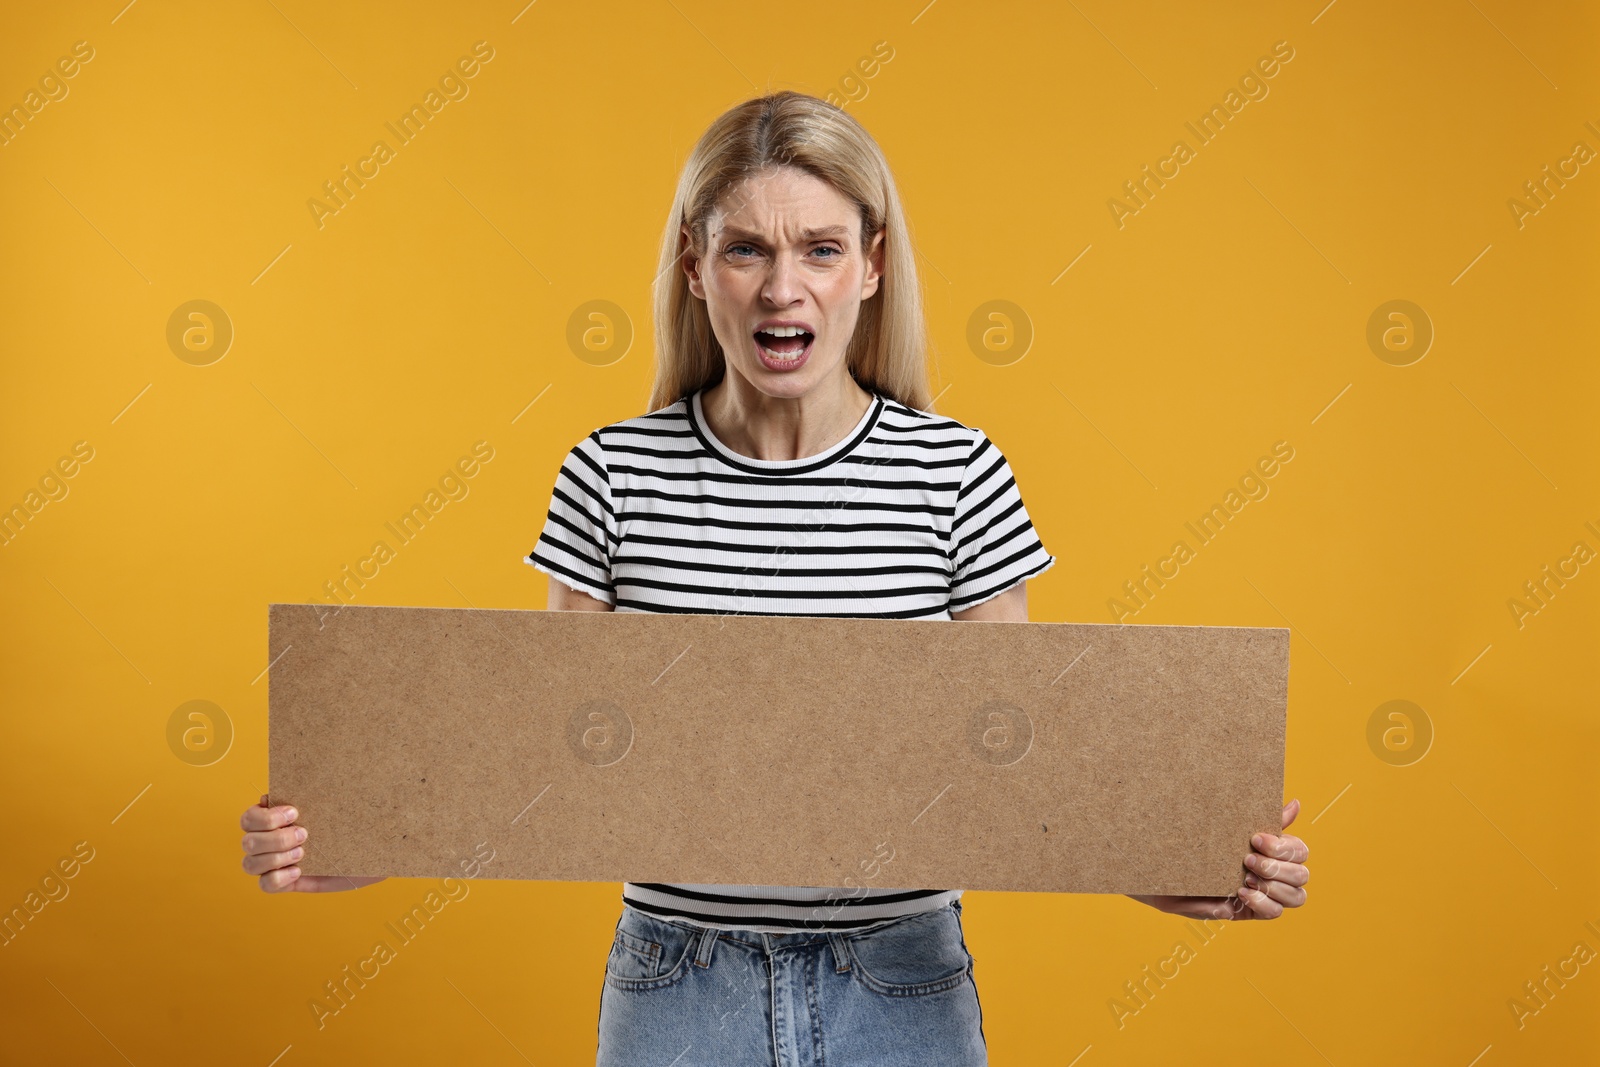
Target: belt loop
(841, 953)
(708, 940)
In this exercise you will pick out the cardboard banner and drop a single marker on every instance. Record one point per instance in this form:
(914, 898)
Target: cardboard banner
(763, 750)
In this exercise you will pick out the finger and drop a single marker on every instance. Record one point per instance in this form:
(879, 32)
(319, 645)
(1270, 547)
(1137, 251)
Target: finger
(1267, 868)
(274, 840)
(1262, 905)
(1238, 909)
(256, 817)
(280, 880)
(1285, 847)
(263, 862)
(1229, 907)
(1290, 896)
(1288, 816)
(1209, 908)
(1193, 907)
(329, 883)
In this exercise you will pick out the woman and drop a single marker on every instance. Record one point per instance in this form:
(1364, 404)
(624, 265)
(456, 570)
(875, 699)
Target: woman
(789, 465)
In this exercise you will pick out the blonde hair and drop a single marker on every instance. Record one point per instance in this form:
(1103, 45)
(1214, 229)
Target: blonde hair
(888, 352)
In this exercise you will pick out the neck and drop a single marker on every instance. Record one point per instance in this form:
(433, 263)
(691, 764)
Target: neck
(779, 429)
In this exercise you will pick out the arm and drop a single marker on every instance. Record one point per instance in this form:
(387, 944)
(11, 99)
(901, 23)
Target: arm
(1010, 606)
(565, 598)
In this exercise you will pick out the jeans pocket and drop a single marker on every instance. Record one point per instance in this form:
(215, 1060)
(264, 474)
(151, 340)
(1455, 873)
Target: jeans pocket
(913, 957)
(648, 953)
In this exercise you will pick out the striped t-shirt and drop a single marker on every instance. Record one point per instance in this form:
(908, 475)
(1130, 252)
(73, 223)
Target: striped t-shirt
(911, 516)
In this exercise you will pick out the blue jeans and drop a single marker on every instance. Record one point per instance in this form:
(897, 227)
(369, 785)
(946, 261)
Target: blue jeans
(896, 995)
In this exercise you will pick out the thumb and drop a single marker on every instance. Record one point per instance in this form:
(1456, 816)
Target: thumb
(1290, 810)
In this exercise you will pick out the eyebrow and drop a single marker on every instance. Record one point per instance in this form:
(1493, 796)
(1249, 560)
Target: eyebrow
(809, 234)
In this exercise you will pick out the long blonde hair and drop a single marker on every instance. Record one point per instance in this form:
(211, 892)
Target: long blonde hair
(889, 351)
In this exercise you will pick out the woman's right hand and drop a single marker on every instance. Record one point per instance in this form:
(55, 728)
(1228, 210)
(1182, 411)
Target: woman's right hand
(272, 845)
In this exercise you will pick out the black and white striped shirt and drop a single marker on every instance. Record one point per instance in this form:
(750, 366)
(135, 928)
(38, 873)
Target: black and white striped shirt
(911, 516)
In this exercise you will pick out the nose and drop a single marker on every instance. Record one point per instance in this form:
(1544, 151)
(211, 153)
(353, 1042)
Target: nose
(782, 286)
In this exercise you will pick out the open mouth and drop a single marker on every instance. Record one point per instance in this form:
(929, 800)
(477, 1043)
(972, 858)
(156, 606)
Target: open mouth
(783, 346)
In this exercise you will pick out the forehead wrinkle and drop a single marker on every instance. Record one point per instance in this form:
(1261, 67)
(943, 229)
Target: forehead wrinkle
(809, 233)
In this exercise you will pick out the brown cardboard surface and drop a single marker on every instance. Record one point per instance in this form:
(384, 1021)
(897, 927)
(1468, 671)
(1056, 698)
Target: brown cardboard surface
(762, 750)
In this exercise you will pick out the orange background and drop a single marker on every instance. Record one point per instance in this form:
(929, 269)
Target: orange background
(1230, 312)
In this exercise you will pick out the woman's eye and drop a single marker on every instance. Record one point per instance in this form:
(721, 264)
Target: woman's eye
(735, 250)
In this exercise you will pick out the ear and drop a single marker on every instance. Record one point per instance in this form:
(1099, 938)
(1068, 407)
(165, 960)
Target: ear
(691, 266)
(869, 284)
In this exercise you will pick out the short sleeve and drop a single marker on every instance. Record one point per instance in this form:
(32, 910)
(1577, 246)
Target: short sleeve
(580, 529)
(993, 544)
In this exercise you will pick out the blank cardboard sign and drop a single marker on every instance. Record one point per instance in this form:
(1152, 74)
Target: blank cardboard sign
(777, 750)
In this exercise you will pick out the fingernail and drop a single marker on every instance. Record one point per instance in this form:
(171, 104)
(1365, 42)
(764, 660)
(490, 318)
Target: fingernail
(299, 833)
(296, 853)
(1249, 879)
(291, 814)
(1258, 840)
(1251, 861)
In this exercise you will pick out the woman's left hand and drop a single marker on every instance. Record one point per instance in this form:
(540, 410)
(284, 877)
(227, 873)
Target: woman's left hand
(1276, 880)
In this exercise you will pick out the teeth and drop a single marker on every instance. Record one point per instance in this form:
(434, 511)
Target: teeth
(780, 356)
(782, 331)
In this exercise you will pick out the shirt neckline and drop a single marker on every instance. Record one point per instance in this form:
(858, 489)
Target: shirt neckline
(803, 465)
